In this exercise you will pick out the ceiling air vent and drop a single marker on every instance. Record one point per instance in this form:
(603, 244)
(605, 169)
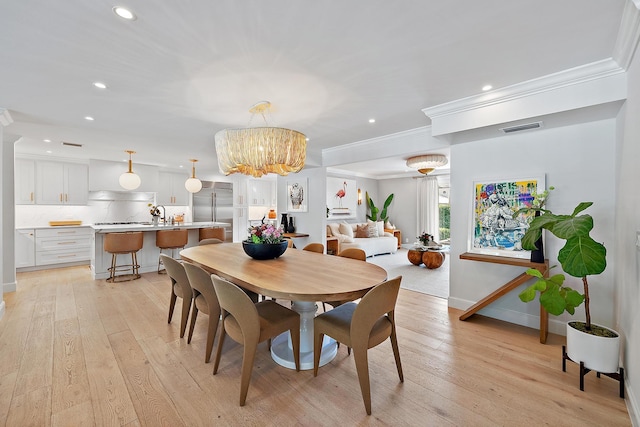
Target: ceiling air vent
(527, 126)
(71, 144)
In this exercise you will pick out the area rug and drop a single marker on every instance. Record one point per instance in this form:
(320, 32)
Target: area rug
(416, 278)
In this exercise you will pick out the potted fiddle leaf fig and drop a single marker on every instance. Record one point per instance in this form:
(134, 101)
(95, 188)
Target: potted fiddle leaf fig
(580, 257)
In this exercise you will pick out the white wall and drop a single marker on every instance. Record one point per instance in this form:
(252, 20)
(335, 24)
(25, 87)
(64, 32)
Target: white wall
(579, 161)
(627, 275)
(403, 209)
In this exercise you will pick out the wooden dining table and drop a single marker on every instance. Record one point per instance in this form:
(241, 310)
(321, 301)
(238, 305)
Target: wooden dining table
(303, 277)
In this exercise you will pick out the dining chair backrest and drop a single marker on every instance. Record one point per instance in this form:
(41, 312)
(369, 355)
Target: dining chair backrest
(202, 284)
(211, 241)
(289, 243)
(237, 304)
(176, 272)
(314, 247)
(378, 302)
(355, 253)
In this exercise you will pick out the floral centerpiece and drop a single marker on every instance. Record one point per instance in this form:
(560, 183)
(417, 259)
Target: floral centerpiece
(265, 241)
(426, 239)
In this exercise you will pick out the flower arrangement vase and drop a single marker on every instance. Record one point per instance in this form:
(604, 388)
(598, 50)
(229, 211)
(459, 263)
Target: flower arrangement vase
(264, 251)
(155, 219)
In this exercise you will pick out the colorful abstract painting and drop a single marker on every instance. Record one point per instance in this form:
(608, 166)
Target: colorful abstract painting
(494, 230)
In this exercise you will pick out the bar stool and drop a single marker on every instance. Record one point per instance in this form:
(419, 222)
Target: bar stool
(123, 243)
(170, 239)
(211, 233)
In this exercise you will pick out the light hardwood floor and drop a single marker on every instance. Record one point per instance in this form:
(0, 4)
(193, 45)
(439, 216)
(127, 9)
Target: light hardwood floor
(78, 352)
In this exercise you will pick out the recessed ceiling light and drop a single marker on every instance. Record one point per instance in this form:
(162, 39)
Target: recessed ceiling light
(124, 13)
(49, 151)
(487, 87)
(100, 85)
(89, 118)
(372, 120)
(180, 166)
(46, 140)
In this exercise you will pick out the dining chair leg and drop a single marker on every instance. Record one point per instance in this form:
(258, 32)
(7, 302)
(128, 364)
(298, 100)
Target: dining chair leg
(211, 334)
(317, 349)
(186, 307)
(396, 354)
(247, 366)
(194, 316)
(172, 305)
(295, 343)
(362, 366)
(216, 362)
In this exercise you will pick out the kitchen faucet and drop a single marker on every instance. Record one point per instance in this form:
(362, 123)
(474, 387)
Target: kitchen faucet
(164, 214)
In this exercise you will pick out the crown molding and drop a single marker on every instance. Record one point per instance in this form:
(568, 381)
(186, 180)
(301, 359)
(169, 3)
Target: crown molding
(5, 117)
(584, 73)
(628, 34)
(425, 130)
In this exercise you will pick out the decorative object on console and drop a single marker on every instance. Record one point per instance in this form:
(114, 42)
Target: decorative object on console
(284, 222)
(260, 150)
(427, 162)
(129, 180)
(193, 184)
(291, 228)
(272, 214)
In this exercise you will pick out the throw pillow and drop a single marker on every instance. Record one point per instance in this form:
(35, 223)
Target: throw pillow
(344, 239)
(346, 229)
(335, 230)
(362, 230)
(379, 225)
(372, 229)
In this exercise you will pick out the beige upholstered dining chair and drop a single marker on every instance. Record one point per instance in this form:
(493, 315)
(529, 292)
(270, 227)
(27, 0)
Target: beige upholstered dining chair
(314, 247)
(361, 327)
(249, 324)
(180, 288)
(205, 301)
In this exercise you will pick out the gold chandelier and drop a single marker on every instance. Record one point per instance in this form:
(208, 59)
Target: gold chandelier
(427, 162)
(257, 151)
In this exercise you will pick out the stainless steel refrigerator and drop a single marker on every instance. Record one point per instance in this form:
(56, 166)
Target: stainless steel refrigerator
(215, 203)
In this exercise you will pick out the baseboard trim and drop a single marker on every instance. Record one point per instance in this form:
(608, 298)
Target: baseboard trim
(2, 309)
(632, 404)
(9, 287)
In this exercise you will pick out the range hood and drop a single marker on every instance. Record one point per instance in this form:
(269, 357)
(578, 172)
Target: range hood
(123, 196)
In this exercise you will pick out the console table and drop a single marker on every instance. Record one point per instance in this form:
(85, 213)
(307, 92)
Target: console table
(509, 286)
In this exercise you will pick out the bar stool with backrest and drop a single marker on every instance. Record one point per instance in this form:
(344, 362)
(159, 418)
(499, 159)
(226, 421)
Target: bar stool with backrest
(362, 326)
(170, 239)
(123, 243)
(212, 233)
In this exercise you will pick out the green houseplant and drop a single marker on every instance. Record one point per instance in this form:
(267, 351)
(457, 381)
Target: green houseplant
(580, 257)
(374, 210)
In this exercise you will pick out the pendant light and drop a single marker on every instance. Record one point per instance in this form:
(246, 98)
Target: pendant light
(193, 184)
(129, 180)
(427, 162)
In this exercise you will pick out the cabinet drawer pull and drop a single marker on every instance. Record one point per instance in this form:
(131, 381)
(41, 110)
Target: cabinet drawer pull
(67, 243)
(67, 256)
(67, 232)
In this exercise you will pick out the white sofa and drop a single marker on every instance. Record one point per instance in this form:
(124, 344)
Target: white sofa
(385, 243)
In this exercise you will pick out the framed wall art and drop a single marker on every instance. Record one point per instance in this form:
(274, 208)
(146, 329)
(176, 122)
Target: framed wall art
(494, 231)
(297, 195)
(342, 198)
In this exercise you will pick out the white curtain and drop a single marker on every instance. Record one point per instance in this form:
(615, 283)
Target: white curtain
(428, 210)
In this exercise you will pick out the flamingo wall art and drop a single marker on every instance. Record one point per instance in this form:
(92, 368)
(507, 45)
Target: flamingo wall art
(342, 198)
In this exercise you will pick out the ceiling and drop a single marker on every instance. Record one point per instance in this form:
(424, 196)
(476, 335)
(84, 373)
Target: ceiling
(182, 71)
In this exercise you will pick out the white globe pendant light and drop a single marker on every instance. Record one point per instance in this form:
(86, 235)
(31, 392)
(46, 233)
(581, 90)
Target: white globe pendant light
(129, 180)
(193, 184)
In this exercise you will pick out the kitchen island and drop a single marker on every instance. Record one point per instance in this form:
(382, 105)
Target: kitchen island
(148, 255)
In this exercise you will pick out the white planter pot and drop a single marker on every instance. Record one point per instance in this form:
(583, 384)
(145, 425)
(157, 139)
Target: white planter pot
(600, 354)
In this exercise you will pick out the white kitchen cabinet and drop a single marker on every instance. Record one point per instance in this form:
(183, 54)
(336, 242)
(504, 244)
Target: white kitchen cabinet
(62, 245)
(240, 224)
(25, 181)
(260, 192)
(171, 190)
(59, 183)
(25, 248)
(104, 176)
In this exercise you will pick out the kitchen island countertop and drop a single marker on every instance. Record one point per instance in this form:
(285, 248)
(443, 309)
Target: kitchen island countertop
(114, 228)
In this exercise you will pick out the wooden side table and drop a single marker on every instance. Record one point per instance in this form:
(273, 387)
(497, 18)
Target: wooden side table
(333, 245)
(396, 233)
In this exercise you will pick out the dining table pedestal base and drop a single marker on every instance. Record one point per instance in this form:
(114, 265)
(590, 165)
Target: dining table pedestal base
(281, 348)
